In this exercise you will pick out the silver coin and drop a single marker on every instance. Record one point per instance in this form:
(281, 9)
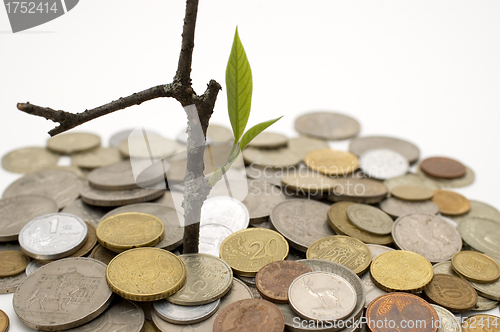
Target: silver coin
(10, 284)
(92, 214)
(116, 138)
(410, 179)
(226, 211)
(211, 237)
(428, 235)
(63, 294)
(33, 265)
(261, 200)
(62, 186)
(249, 281)
(98, 197)
(172, 199)
(358, 190)
(302, 145)
(73, 142)
(147, 147)
(239, 291)
(361, 144)
(269, 140)
(96, 158)
(444, 268)
(447, 321)
(179, 314)
(282, 157)
(383, 164)
(301, 222)
(30, 159)
(370, 219)
(53, 236)
(396, 207)
(481, 234)
(480, 210)
(327, 125)
(322, 296)
(462, 181)
(15, 212)
(120, 316)
(484, 304)
(377, 250)
(172, 221)
(266, 224)
(267, 174)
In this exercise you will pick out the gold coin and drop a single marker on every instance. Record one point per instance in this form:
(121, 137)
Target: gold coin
(248, 250)
(401, 270)
(481, 323)
(307, 181)
(145, 274)
(475, 266)
(12, 263)
(129, 230)
(412, 193)
(345, 250)
(338, 220)
(331, 162)
(69, 143)
(4, 321)
(450, 202)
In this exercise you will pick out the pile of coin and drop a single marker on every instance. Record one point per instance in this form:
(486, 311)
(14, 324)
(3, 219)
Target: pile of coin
(309, 240)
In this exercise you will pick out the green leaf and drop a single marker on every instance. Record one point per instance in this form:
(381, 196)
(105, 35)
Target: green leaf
(254, 131)
(239, 87)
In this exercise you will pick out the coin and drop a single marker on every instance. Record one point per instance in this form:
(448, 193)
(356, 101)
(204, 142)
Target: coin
(338, 220)
(96, 158)
(102, 254)
(359, 145)
(15, 212)
(371, 290)
(145, 274)
(62, 186)
(261, 199)
(401, 270)
(53, 236)
(226, 211)
(4, 321)
(301, 222)
(268, 174)
(249, 281)
(98, 197)
(345, 250)
(274, 279)
(268, 140)
(327, 125)
(428, 235)
(480, 210)
(358, 190)
(412, 193)
(481, 234)
(331, 162)
(411, 179)
(302, 145)
(475, 267)
(396, 207)
(63, 294)
(126, 230)
(484, 304)
(69, 143)
(27, 160)
(383, 164)
(10, 284)
(399, 307)
(219, 133)
(149, 327)
(370, 219)
(307, 183)
(282, 157)
(89, 213)
(248, 250)
(33, 266)
(12, 263)
(322, 296)
(172, 199)
(208, 278)
(211, 238)
(182, 315)
(148, 146)
(89, 243)
(480, 323)
(451, 292)
(450, 202)
(447, 320)
(237, 292)
(442, 167)
(463, 181)
(249, 315)
(116, 138)
(121, 315)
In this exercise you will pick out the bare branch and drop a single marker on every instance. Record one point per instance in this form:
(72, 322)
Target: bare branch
(183, 74)
(69, 120)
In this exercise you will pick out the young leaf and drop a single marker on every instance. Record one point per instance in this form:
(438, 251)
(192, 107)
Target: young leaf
(239, 87)
(254, 131)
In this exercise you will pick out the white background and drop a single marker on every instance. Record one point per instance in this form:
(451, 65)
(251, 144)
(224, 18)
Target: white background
(426, 71)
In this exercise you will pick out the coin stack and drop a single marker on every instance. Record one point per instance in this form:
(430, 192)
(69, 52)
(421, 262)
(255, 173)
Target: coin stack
(313, 236)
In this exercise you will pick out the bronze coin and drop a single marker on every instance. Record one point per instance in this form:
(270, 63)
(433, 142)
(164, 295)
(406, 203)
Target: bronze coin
(441, 167)
(274, 279)
(394, 311)
(250, 315)
(450, 202)
(4, 321)
(453, 293)
(481, 323)
(12, 263)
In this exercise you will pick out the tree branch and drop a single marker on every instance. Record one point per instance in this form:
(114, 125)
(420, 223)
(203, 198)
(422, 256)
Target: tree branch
(183, 74)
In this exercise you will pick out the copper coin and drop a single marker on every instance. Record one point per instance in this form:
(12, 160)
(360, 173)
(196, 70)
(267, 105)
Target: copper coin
(453, 293)
(481, 323)
(250, 315)
(450, 202)
(442, 167)
(394, 311)
(274, 279)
